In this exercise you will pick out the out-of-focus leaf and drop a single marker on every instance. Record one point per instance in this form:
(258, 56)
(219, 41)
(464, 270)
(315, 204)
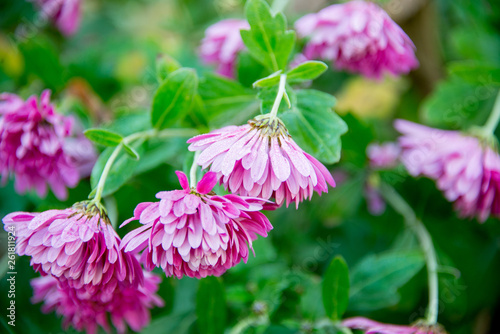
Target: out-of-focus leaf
(375, 280)
(178, 323)
(103, 137)
(335, 288)
(122, 170)
(314, 126)
(268, 41)
(211, 306)
(249, 70)
(226, 101)
(306, 71)
(165, 65)
(459, 104)
(42, 59)
(476, 72)
(131, 151)
(174, 98)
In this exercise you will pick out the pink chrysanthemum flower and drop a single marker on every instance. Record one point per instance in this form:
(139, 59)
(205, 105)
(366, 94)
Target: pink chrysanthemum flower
(373, 327)
(64, 13)
(360, 37)
(383, 155)
(78, 244)
(194, 232)
(129, 305)
(465, 169)
(261, 159)
(34, 148)
(221, 45)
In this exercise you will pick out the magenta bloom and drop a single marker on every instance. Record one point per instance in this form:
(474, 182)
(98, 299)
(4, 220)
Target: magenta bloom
(383, 155)
(260, 159)
(360, 37)
(78, 244)
(64, 13)
(464, 168)
(373, 327)
(194, 232)
(129, 305)
(221, 45)
(34, 146)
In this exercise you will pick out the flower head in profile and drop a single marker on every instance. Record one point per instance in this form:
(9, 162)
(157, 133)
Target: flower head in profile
(128, 305)
(221, 45)
(34, 148)
(64, 13)
(465, 168)
(77, 244)
(369, 326)
(261, 159)
(360, 37)
(194, 232)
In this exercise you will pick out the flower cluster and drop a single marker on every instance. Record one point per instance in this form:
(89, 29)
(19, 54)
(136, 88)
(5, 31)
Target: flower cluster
(360, 37)
(465, 168)
(128, 305)
(194, 232)
(86, 274)
(64, 13)
(35, 146)
(261, 159)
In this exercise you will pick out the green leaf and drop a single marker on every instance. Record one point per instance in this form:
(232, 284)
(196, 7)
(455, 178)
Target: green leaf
(103, 137)
(459, 104)
(227, 101)
(122, 170)
(211, 306)
(131, 151)
(314, 126)
(306, 71)
(335, 288)
(41, 58)
(174, 98)
(375, 280)
(268, 41)
(476, 73)
(268, 81)
(165, 65)
(249, 70)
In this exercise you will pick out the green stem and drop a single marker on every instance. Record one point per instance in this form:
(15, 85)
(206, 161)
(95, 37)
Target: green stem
(425, 240)
(279, 96)
(153, 133)
(491, 124)
(192, 171)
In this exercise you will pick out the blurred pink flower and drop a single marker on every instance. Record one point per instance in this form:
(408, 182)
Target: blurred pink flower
(129, 305)
(465, 169)
(77, 243)
(360, 37)
(64, 13)
(374, 200)
(194, 232)
(383, 155)
(221, 45)
(35, 147)
(373, 327)
(261, 159)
